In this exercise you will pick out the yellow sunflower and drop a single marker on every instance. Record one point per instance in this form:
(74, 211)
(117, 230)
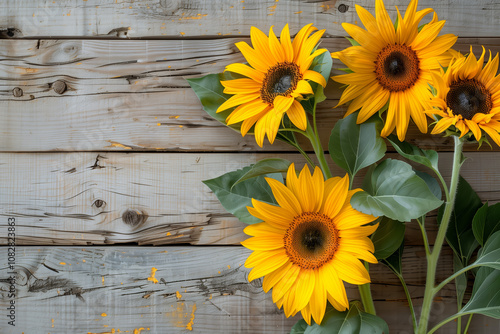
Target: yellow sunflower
(468, 97)
(308, 245)
(276, 80)
(393, 64)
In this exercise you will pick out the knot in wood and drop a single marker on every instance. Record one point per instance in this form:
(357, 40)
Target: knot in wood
(134, 218)
(343, 8)
(99, 203)
(59, 87)
(17, 92)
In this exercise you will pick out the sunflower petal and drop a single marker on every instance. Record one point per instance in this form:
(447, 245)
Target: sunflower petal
(297, 115)
(246, 71)
(336, 198)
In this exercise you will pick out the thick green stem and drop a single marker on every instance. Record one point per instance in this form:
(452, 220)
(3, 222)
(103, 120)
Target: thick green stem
(433, 258)
(318, 149)
(366, 296)
(468, 324)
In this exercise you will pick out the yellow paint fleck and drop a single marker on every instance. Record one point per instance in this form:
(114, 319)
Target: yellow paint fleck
(219, 271)
(62, 263)
(158, 124)
(197, 60)
(52, 323)
(182, 33)
(298, 12)
(78, 63)
(164, 252)
(228, 266)
(210, 296)
(84, 261)
(231, 7)
(173, 117)
(189, 326)
(138, 331)
(152, 277)
(102, 277)
(104, 315)
(116, 144)
(169, 234)
(178, 295)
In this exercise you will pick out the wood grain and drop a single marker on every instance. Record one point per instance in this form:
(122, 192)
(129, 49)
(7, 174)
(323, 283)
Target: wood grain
(90, 95)
(93, 290)
(176, 18)
(153, 199)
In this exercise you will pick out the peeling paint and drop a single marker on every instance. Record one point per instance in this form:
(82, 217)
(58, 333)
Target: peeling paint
(116, 144)
(190, 324)
(152, 277)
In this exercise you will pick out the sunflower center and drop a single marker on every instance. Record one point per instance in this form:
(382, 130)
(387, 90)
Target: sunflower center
(311, 240)
(397, 67)
(469, 97)
(281, 79)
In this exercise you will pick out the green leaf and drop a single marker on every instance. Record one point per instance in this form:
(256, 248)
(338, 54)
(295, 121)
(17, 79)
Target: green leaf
(431, 182)
(394, 262)
(459, 235)
(353, 42)
(235, 199)
(392, 189)
(460, 281)
(486, 222)
(353, 321)
(355, 146)
(211, 94)
(323, 65)
(388, 237)
(489, 256)
(427, 158)
(485, 297)
(263, 167)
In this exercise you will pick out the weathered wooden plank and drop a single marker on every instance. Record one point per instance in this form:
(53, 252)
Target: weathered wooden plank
(203, 289)
(82, 198)
(182, 18)
(83, 95)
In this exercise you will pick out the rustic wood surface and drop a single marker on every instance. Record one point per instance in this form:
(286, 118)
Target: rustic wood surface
(103, 147)
(95, 289)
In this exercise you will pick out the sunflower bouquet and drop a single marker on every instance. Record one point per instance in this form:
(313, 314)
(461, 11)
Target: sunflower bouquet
(312, 232)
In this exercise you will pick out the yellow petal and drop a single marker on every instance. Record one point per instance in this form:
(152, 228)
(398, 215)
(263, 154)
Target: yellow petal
(384, 23)
(336, 198)
(272, 278)
(357, 232)
(271, 214)
(286, 43)
(236, 100)
(265, 267)
(282, 103)
(245, 111)
(284, 196)
(263, 256)
(492, 133)
(269, 242)
(263, 229)
(282, 286)
(260, 43)
(333, 284)
(253, 57)
(474, 128)
(246, 71)
(318, 300)
(297, 115)
(367, 19)
(350, 269)
(349, 218)
(305, 286)
(249, 122)
(240, 86)
(299, 40)
(314, 76)
(275, 47)
(303, 88)
(442, 124)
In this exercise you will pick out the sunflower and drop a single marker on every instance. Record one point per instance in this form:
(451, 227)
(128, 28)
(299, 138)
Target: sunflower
(393, 64)
(468, 97)
(308, 245)
(275, 81)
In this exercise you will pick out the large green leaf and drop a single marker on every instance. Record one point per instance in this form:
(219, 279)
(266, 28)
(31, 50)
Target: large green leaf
(459, 235)
(353, 321)
(394, 262)
(485, 297)
(236, 198)
(263, 167)
(388, 237)
(323, 65)
(427, 158)
(211, 94)
(392, 189)
(355, 146)
(486, 222)
(489, 255)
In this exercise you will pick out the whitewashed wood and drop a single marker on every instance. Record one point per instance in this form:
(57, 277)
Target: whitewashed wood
(54, 196)
(183, 18)
(74, 286)
(132, 95)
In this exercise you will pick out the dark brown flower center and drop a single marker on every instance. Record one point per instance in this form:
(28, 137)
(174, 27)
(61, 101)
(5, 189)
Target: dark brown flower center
(311, 240)
(468, 97)
(281, 79)
(397, 67)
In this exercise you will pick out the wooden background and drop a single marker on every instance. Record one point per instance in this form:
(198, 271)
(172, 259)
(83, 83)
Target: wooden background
(103, 147)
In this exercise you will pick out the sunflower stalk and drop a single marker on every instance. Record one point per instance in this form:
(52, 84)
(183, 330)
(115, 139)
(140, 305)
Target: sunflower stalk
(433, 257)
(313, 136)
(365, 293)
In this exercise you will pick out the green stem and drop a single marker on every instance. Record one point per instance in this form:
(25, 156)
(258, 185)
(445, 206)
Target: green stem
(318, 149)
(424, 237)
(468, 323)
(455, 275)
(433, 258)
(444, 322)
(366, 296)
(410, 303)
